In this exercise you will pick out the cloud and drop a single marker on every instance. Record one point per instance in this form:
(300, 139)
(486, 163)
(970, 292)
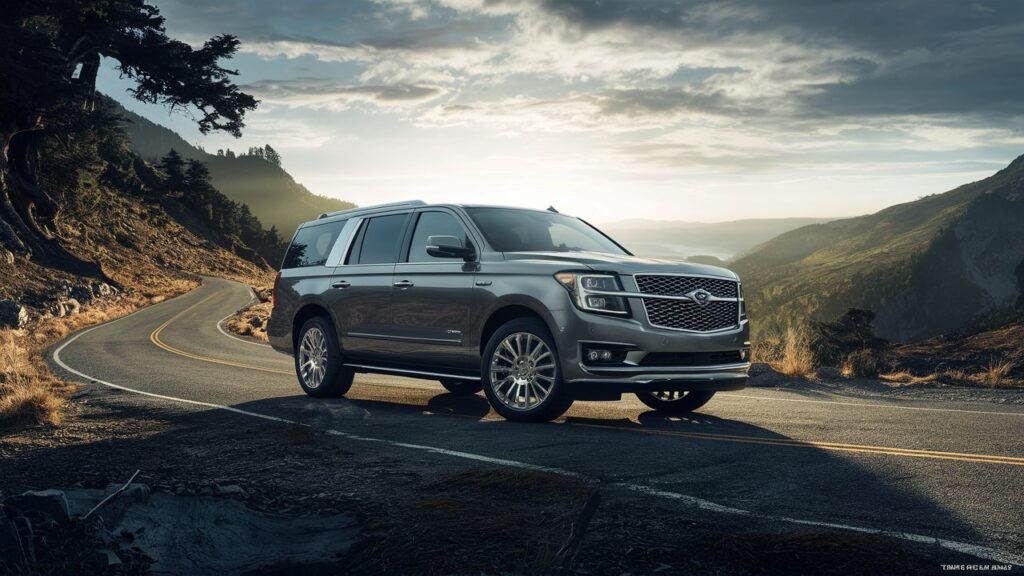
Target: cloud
(326, 93)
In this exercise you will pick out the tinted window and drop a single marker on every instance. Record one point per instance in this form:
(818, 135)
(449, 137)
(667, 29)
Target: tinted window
(380, 239)
(511, 230)
(312, 244)
(434, 224)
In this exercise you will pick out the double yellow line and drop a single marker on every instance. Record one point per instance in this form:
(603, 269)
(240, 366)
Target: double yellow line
(154, 337)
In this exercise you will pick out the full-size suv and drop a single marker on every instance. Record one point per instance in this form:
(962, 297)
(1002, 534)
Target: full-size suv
(535, 307)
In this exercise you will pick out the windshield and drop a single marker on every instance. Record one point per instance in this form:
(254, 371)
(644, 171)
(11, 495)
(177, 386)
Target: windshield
(512, 230)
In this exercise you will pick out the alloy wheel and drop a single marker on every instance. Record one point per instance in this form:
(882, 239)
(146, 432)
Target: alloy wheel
(313, 357)
(522, 371)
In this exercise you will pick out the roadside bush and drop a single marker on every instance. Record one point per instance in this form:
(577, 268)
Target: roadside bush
(866, 363)
(833, 343)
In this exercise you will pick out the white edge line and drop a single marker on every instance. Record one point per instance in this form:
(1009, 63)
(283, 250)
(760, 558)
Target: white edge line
(220, 323)
(868, 404)
(962, 547)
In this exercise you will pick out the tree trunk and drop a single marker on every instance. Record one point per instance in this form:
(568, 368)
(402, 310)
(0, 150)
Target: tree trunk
(27, 213)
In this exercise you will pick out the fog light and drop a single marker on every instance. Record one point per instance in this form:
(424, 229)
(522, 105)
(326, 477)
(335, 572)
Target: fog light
(606, 355)
(594, 355)
(597, 302)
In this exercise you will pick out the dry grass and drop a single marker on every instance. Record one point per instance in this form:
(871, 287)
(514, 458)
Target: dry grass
(997, 373)
(907, 378)
(793, 356)
(26, 393)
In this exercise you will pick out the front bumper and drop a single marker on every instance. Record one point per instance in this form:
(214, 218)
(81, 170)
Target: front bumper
(576, 329)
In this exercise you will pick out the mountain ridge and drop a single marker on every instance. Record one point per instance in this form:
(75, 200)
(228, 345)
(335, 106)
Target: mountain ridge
(954, 252)
(269, 190)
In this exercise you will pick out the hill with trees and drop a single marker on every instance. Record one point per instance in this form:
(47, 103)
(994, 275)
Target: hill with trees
(254, 178)
(925, 268)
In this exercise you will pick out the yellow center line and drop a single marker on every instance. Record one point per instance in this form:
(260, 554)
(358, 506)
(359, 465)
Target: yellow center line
(833, 446)
(154, 337)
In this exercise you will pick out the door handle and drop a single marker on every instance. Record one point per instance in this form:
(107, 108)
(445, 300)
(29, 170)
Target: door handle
(340, 284)
(403, 284)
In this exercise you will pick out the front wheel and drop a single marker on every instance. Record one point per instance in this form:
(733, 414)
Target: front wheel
(466, 387)
(675, 402)
(521, 374)
(318, 361)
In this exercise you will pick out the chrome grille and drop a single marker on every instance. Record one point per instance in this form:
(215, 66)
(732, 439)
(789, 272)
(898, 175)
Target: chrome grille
(684, 314)
(680, 285)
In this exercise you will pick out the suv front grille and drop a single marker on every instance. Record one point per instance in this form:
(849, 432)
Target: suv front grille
(684, 314)
(680, 285)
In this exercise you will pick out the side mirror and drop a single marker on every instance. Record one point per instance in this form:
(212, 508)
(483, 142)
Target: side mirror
(449, 247)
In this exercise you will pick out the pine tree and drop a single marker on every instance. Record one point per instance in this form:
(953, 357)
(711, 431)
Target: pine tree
(271, 155)
(173, 167)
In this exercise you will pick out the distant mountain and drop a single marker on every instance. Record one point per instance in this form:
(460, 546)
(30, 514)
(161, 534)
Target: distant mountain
(684, 240)
(270, 192)
(925, 267)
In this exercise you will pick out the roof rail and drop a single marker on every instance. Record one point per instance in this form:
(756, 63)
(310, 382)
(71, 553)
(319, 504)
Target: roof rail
(374, 207)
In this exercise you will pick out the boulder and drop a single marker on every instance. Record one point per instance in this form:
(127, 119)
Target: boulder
(102, 289)
(256, 322)
(42, 506)
(83, 293)
(59, 310)
(12, 314)
(6, 258)
(73, 306)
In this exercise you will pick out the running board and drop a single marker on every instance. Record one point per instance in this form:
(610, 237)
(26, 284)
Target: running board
(404, 372)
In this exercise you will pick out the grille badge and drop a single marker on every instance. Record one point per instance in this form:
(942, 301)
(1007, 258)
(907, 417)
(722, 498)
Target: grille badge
(700, 296)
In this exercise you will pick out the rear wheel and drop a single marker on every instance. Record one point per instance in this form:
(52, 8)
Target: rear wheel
(675, 402)
(461, 386)
(522, 377)
(318, 361)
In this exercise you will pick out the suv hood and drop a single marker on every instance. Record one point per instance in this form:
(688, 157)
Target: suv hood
(622, 263)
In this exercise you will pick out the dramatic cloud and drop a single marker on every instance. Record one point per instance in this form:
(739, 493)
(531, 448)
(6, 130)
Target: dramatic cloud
(638, 89)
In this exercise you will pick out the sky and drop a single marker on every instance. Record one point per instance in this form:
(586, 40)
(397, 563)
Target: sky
(615, 109)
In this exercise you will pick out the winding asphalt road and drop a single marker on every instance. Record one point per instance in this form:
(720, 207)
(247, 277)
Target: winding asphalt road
(949, 473)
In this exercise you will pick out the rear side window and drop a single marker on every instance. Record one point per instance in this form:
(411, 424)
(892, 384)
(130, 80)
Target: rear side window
(379, 240)
(434, 224)
(312, 244)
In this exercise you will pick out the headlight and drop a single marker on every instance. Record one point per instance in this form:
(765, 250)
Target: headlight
(591, 292)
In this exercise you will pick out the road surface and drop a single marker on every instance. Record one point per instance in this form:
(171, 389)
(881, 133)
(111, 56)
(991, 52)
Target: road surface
(952, 473)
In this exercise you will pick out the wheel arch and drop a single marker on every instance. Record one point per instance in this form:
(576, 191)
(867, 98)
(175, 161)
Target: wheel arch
(510, 310)
(302, 315)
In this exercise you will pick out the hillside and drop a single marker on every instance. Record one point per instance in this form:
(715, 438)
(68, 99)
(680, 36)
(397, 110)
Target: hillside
(926, 267)
(684, 240)
(270, 192)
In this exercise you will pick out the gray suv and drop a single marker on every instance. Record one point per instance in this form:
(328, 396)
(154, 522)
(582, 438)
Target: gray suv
(534, 307)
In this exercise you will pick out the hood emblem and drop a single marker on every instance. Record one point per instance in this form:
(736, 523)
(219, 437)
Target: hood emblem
(700, 296)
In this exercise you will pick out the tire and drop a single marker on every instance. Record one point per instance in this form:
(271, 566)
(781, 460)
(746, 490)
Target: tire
(464, 387)
(675, 402)
(327, 378)
(525, 352)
